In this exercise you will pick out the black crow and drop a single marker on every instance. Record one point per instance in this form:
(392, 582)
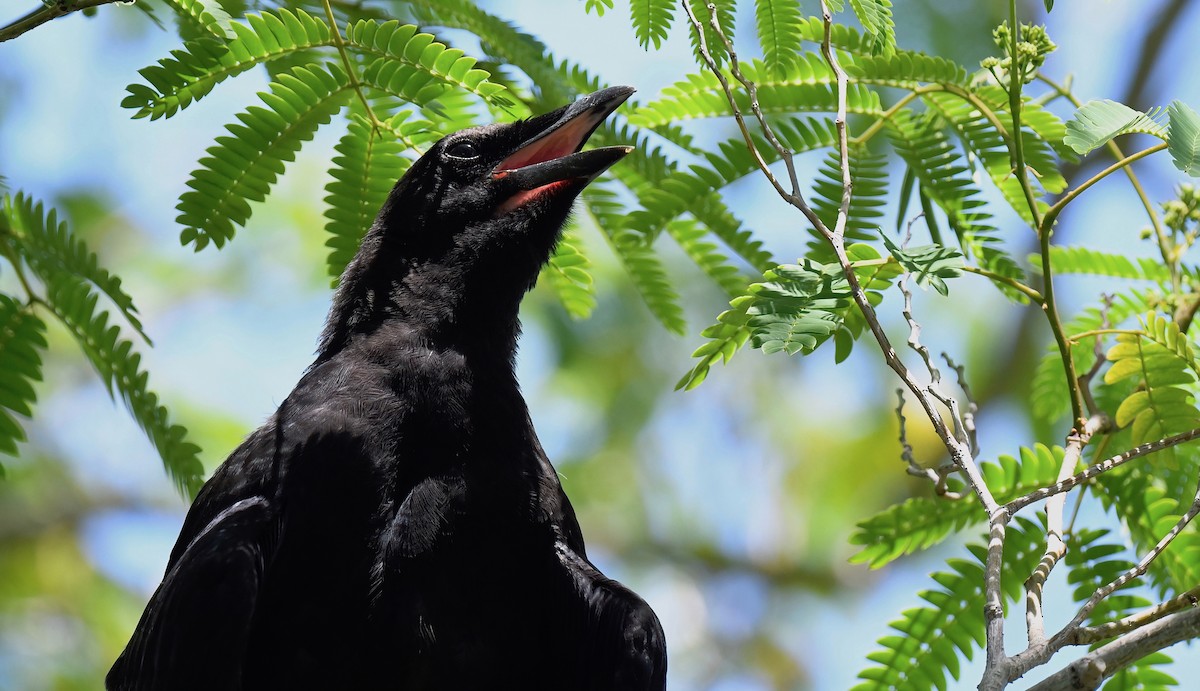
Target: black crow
(396, 524)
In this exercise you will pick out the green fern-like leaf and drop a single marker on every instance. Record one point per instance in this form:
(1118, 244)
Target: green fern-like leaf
(930, 639)
(692, 191)
(1048, 127)
(777, 22)
(876, 19)
(368, 163)
(1088, 261)
(732, 160)
(701, 96)
(981, 138)
(725, 17)
(120, 369)
(403, 48)
(1143, 675)
(202, 17)
(501, 40)
(649, 175)
(718, 219)
(644, 168)
(797, 295)
(841, 36)
(568, 274)
(797, 307)
(1097, 122)
(725, 338)
(691, 237)
(906, 69)
(1163, 363)
(1165, 332)
(651, 20)
(598, 6)
(639, 259)
(191, 73)
(1044, 131)
(922, 522)
(241, 168)
(1184, 142)
(1040, 131)
(1149, 510)
(22, 340)
(1094, 560)
(1049, 399)
(946, 179)
(450, 110)
(794, 309)
(869, 174)
(874, 276)
(49, 248)
(930, 265)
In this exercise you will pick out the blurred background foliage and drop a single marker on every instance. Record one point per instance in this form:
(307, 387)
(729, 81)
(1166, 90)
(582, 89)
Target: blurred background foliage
(727, 507)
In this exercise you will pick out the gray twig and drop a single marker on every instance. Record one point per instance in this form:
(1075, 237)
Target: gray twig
(48, 11)
(1105, 661)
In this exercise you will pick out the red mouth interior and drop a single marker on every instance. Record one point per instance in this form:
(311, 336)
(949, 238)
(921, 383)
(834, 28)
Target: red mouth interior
(565, 140)
(525, 196)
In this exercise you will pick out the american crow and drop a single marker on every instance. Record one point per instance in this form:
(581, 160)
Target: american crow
(396, 524)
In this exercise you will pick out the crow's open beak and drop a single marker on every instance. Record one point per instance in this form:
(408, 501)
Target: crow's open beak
(554, 156)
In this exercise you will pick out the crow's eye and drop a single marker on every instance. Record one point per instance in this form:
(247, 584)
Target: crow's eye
(464, 149)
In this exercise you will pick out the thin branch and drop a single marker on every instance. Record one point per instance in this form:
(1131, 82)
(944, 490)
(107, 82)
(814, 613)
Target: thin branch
(1098, 359)
(1088, 671)
(1050, 307)
(937, 476)
(795, 199)
(914, 334)
(874, 128)
(993, 606)
(1076, 338)
(961, 456)
(48, 12)
(1054, 211)
(1016, 79)
(1099, 468)
(1031, 293)
(351, 73)
(1137, 570)
(968, 418)
(906, 449)
(1086, 635)
(752, 91)
(839, 230)
(1039, 648)
(959, 450)
(1161, 235)
(1055, 546)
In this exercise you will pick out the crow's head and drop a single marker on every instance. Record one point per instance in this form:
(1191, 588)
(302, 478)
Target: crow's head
(464, 233)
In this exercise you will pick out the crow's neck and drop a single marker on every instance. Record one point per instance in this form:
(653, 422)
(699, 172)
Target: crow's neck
(383, 299)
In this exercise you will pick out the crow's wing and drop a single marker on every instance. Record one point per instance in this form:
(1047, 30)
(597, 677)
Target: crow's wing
(621, 643)
(194, 630)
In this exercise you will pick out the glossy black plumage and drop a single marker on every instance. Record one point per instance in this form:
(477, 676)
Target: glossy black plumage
(396, 524)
